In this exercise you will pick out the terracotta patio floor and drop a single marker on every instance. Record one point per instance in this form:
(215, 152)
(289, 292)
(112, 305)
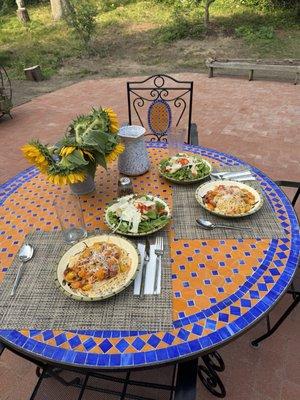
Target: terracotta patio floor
(257, 121)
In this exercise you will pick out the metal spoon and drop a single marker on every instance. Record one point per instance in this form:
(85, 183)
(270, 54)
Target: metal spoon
(25, 255)
(209, 225)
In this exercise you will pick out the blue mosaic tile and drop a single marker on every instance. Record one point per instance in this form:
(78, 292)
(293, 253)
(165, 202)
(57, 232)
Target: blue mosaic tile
(235, 310)
(114, 360)
(210, 324)
(80, 358)
(139, 358)
(274, 271)
(168, 338)
(245, 303)
(254, 294)
(262, 287)
(48, 335)
(150, 356)
(92, 359)
(105, 346)
(122, 345)
(103, 360)
(138, 343)
(153, 341)
(223, 317)
(74, 342)
(60, 339)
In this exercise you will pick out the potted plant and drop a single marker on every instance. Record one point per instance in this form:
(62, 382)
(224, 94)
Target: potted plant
(90, 140)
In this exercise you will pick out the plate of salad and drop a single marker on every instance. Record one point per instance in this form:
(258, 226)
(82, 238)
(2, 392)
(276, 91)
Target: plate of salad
(184, 168)
(137, 215)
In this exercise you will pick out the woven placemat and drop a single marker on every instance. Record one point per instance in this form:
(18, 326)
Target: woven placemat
(39, 304)
(264, 224)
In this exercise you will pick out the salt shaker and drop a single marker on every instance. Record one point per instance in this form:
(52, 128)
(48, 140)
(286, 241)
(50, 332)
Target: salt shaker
(125, 186)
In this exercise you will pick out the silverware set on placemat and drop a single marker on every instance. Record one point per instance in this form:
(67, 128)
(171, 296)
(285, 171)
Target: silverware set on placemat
(148, 280)
(25, 254)
(238, 176)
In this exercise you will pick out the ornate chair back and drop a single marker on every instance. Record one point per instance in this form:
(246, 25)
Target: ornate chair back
(159, 103)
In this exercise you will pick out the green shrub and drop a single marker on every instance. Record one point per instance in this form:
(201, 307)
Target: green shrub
(81, 15)
(186, 21)
(267, 4)
(108, 5)
(252, 34)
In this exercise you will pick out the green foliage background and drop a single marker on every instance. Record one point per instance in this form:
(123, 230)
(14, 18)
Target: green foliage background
(146, 33)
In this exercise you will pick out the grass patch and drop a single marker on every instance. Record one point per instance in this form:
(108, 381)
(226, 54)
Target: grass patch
(147, 33)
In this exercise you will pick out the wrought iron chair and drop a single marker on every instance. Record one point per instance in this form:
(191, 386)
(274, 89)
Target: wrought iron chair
(159, 103)
(292, 291)
(176, 382)
(5, 93)
(1, 348)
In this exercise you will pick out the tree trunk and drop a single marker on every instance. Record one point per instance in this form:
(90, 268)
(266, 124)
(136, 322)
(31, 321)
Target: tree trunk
(298, 11)
(22, 12)
(23, 15)
(58, 8)
(207, 5)
(34, 73)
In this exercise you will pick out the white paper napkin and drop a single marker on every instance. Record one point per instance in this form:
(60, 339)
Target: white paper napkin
(150, 273)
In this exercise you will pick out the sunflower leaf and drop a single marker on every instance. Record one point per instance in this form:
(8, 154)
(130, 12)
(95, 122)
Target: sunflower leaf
(94, 138)
(76, 158)
(100, 159)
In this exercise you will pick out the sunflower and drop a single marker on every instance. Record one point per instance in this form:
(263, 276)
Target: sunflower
(113, 120)
(72, 177)
(66, 150)
(35, 154)
(115, 152)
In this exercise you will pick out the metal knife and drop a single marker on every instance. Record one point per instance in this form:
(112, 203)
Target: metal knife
(144, 267)
(228, 174)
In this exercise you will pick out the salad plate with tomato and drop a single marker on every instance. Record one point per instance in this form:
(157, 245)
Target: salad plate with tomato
(137, 215)
(185, 168)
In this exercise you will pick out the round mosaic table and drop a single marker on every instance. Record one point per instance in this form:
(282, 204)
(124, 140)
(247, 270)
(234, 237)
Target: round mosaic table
(229, 285)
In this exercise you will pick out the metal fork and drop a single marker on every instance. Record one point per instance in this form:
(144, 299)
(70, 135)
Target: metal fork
(159, 251)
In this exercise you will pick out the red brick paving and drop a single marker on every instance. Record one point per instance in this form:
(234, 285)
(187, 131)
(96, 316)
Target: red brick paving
(257, 121)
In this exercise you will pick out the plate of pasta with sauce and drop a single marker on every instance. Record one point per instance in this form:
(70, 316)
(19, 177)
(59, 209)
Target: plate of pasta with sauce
(229, 198)
(97, 268)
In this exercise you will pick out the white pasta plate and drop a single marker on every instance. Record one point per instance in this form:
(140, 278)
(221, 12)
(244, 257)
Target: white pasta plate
(107, 287)
(202, 190)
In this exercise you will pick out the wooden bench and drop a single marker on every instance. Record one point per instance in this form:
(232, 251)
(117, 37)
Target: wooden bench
(290, 66)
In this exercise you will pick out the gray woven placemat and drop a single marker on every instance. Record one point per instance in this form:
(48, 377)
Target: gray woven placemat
(39, 304)
(186, 209)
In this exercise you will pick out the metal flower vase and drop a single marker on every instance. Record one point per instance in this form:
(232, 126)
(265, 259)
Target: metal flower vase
(85, 187)
(135, 159)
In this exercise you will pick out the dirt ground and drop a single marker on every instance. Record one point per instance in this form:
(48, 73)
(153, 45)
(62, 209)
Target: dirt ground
(181, 56)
